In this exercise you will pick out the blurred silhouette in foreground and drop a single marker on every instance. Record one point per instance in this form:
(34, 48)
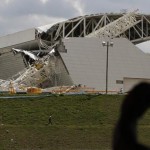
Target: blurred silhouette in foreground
(133, 107)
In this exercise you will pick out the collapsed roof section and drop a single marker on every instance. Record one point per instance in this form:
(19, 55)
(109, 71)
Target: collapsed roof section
(44, 72)
(136, 28)
(133, 26)
(50, 69)
(116, 27)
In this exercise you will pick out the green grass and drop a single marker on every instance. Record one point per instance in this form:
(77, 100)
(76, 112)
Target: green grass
(81, 122)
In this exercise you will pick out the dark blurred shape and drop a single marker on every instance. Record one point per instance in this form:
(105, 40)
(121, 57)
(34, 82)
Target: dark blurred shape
(133, 107)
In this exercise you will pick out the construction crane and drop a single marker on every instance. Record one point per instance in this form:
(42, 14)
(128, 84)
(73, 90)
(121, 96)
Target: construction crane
(47, 69)
(116, 27)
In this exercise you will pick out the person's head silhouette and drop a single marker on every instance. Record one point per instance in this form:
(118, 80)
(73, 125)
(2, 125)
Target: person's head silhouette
(133, 107)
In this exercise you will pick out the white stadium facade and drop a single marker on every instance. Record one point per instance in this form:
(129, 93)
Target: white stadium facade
(73, 52)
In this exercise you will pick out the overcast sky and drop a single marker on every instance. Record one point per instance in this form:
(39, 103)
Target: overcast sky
(16, 15)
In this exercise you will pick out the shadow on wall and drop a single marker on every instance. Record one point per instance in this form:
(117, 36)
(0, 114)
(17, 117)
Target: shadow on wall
(133, 107)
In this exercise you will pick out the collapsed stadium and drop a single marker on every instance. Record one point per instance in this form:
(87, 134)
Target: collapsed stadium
(71, 54)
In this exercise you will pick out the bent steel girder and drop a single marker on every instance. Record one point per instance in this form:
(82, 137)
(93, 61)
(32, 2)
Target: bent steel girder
(139, 32)
(115, 28)
(45, 72)
(85, 25)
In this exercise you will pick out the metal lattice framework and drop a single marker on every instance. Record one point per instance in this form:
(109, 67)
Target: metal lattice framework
(116, 27)
(50, 69)
(134, 26)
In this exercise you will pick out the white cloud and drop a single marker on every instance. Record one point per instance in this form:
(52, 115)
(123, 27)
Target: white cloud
(40, 20)
(77, 5)
(145, 46)
(31, 21)
(44, 1)
(2, 19)
(21, 14)
(8, 1)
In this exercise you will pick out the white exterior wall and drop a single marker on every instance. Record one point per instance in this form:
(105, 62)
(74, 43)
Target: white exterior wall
(17, 38)
(10, 65)
(130, 82)
(86, 62)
